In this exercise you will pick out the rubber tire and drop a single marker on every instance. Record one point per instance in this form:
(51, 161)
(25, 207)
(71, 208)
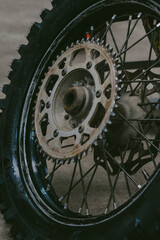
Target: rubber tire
(140, 221)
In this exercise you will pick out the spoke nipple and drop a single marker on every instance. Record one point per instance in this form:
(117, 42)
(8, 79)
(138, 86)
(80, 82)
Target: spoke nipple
(145, 174)
(48, 188)
(87, 212)
(79, 210)
(106, 210)
(55, 133)
(67, 48)
(139, 186)
(65, 206)
(158, 25)
(114, 16)
(130, 17)
(47, 176)
(92, 28)
(139, 15)
(114, 205)
(57, 57)
(60, 199)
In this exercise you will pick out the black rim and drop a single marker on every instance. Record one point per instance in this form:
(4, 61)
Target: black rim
(141, 145)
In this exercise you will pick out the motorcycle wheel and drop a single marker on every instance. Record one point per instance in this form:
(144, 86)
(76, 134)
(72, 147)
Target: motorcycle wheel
(80, 124)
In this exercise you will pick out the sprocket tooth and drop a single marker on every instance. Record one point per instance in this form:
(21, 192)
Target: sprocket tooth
(72, 45)
(107, 46)
(62, 52)
(116, 60)
(98, 41)
(100, 136)
(102, 42)
(109, 122)
(113, 55)
(77, 42)
(84, 153)
(93, 40)
(105, 130)
(82, 41)
(90, 149)
(95, 143)
(117, 97)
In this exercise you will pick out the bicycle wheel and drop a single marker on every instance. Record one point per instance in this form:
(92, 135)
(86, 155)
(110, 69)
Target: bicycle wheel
(80, 124)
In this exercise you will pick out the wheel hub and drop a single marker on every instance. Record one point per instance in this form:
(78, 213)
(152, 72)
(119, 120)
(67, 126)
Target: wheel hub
(74, 100)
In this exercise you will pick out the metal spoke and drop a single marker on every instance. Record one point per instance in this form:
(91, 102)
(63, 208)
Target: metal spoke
(130, 33)
(70, 187)
(117, 49)
(110, 182)
(88, 187)
(127, 174)
(153, 160)
(122, 160)
(108, 27)
(137, 130)
(126, 45)
(75, 184)
(83, 188)
(146, 35)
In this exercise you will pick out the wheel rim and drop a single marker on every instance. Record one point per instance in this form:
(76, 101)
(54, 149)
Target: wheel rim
(137, 145)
